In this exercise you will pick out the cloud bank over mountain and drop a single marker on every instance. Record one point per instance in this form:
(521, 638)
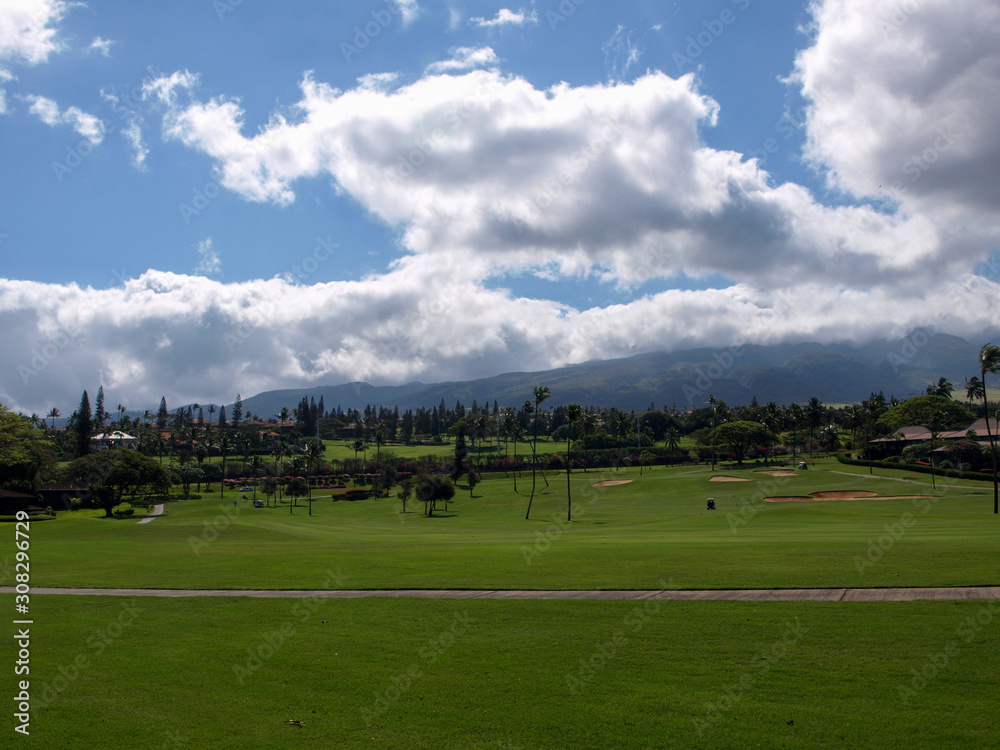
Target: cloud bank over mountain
(483, 174)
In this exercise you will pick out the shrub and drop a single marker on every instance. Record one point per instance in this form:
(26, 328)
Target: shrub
(845, 459)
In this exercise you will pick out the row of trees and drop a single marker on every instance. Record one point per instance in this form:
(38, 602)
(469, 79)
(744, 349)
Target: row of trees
(743, 431)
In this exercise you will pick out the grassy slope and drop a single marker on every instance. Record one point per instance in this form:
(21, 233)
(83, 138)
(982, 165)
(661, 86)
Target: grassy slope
(633, 536)
(493, 674)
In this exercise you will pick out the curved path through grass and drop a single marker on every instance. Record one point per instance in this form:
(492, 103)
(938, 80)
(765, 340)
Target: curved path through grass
(157, 512)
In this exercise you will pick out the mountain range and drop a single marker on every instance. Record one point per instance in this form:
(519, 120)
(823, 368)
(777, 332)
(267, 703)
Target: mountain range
(786, 373)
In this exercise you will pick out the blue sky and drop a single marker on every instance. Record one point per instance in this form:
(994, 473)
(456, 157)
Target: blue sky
(105, 219)
(203, 197)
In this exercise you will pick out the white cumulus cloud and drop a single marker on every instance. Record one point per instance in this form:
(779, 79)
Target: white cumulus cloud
(609, 178)
(101, 46)
(191, 338)
(408, 10)
(465, 58)
(506, 17)
(905, 101)
(28, 34)
(132, 133)
(87, 125)
(484, 174)
(209, 262)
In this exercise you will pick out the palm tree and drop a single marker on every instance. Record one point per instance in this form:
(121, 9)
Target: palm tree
(772, 421)
(573, 414)
(299, 466)
(973, 389)
(503, 433)
(586, 427)
(829, 437)
(225, 446)
(714, 406)
(796, 415)
(269, 485)
(873, 408)
(281, 451)
(622, 427)
(516, 432)
(989, 362)
(276, 453)
(200, 454)
(211, 411)
(542, 393)
(53, 413)
(942, 388)
(314, 454)
(855, 416)
(478, 432)
(934, 425)
(192, 436)
(359, 446)
(672, 440)
(815, 411)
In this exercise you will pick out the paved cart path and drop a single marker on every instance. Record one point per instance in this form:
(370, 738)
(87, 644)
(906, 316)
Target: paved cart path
(157, 511)
(749, 595)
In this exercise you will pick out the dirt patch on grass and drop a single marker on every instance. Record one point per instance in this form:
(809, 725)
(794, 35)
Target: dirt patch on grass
(612, 482)
(779, 473)
(728, 479)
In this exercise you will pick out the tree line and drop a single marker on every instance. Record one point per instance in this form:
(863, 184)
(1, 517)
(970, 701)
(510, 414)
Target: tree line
(294, 438)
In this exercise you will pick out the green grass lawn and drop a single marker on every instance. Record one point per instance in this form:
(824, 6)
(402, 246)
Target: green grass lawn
(635, 536)
(214, 673)
(343, 449)
(411, 673)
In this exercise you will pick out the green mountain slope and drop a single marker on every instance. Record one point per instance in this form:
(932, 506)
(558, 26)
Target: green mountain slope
(835, 373)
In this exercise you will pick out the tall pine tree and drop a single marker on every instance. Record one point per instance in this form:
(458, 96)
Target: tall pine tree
(237, 411)
(222, 417)
(162, 415)
(84, 426)
(100, 416)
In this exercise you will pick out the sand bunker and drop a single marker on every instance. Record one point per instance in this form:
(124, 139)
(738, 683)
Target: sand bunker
(837, 495)
(779, 473)
(728, 479)
(819, 497)
(612, 482)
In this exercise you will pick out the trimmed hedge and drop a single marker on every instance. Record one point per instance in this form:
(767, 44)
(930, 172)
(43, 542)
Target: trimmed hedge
(918, 468)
